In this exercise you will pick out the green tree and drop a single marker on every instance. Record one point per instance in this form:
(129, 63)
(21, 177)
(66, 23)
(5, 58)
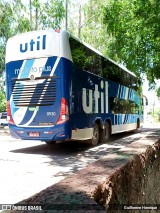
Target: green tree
(158, 92)
(12, 22)
(15, 18)
(2, 102)
(86, 22)
(93, 31)
(52, 14)
(5, 20)
(134, 27)
(48, 15)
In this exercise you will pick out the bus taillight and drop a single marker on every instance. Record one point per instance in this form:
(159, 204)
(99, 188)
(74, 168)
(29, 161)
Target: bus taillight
(9, 116)
(64, 113)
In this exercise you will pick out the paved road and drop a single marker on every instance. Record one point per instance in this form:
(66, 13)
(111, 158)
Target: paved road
(27, 167)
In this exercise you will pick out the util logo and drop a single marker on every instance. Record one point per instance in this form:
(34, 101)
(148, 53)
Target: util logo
(32, 45)
(93, 100)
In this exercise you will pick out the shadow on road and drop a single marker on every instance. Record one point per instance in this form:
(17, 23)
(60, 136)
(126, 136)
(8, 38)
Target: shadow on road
(73, 156)
(63, 148)
(73, 147)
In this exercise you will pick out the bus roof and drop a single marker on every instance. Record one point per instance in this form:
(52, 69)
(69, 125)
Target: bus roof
(13, 54)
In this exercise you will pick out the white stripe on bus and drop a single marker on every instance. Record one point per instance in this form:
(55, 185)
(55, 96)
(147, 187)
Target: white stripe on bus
(35, 112)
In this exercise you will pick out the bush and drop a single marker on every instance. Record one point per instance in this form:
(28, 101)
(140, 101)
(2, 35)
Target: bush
(2, 102)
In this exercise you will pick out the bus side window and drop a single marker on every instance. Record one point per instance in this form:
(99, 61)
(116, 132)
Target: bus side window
(78, 54)
(114, 105)
(110, 71)
(93, 62)
(123, 106)
(85, 58)
(104, 68)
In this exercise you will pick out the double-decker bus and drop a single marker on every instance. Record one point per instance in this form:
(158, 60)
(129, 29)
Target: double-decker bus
(61, 89)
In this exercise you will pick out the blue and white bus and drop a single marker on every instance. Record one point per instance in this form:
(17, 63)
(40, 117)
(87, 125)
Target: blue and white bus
(61, 89)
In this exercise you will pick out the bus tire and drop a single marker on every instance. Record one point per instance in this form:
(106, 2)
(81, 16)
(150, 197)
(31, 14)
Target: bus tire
(95, 138)
(105, 133)
(137, 127)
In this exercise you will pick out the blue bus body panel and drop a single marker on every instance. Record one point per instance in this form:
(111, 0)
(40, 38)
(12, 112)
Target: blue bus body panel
(105, 89)
(88, 99)
(42, 108)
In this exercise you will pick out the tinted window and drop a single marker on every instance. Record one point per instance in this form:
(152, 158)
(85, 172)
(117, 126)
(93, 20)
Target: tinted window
(85, 58)
(88, 60)
(123, 106)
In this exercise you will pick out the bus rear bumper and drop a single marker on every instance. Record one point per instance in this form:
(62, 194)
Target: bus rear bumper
(59, 132)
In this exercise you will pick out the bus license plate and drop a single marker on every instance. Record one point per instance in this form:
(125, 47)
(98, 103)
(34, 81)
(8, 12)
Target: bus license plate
(34, 134)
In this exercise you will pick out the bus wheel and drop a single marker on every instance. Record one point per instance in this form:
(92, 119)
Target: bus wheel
(105, 133)
(137, 127)
(95, 139)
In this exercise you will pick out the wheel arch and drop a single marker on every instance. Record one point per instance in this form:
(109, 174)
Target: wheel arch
(99, 122)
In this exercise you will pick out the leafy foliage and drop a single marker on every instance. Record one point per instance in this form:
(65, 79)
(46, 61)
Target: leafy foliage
(88, 20)
(134, 27)
(158, 92)
(52, 14)
(125, 30)
(46, 15)
(15, 18)
(2, 102)
(5, 20)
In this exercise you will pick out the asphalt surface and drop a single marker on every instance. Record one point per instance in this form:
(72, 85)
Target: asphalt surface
(27, 167)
